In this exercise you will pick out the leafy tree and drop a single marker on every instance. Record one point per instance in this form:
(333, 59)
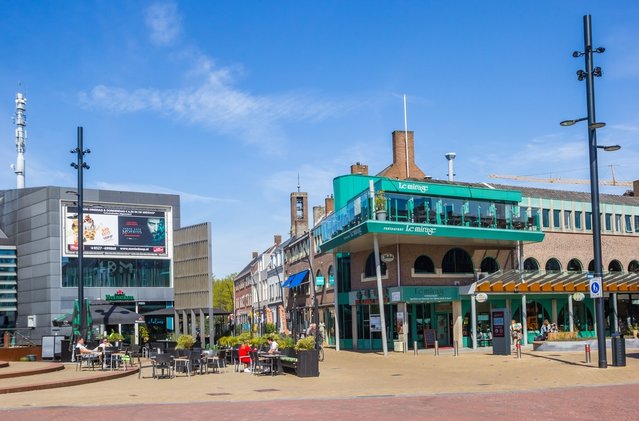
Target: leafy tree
(223, 292)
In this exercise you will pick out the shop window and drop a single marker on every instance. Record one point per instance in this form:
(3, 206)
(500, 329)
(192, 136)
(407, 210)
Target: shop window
(574, 265)
(369, 269)
(633, 267)
(457, 261)
(582, 317)
(423, 264)
(615, 266)
(553, 265)
(489, 265)
(535, 315)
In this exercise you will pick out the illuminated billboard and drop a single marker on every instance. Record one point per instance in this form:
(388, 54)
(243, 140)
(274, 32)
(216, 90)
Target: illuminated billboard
(112, 229)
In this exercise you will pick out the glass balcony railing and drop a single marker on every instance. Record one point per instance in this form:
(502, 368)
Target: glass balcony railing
(430, 210)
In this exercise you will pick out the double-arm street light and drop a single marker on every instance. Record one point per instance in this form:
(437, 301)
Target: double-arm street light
(80, 165)
(593, 125)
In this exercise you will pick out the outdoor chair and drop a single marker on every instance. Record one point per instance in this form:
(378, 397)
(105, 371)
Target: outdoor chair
(212, 361)
(195, 358)
(87, 360)
(182, 362)
(257, 366)
(162, 363)
(151, 363)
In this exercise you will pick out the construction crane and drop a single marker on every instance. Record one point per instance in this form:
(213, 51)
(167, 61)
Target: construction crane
(553, 180)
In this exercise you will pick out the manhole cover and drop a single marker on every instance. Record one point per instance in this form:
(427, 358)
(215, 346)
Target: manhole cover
(267, 390)
(218, 394)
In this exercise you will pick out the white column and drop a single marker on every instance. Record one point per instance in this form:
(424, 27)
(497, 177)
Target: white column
(473, 318)
(458, 332)
(571, 318)
(524, 319)
(380, 293)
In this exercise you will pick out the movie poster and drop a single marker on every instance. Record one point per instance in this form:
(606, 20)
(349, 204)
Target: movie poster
(116, 230)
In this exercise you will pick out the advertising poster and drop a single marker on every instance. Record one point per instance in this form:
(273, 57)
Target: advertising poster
(116, 230)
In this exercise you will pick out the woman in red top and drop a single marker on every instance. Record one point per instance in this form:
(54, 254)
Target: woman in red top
(243, 354)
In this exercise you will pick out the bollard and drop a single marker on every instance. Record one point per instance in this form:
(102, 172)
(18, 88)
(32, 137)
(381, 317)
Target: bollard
(436, 348)
(518, 349)
(415, 348)
(456, 349)
(587, 346)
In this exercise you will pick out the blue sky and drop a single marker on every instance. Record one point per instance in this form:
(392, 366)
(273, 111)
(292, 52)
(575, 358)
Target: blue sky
(225, 102)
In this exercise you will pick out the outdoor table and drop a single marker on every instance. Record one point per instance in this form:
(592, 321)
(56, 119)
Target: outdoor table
(275, 361)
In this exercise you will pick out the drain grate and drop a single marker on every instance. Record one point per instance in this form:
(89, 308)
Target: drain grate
(267, 390)
(219, 394)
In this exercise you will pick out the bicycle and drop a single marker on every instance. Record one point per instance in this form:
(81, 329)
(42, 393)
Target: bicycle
(320, 353)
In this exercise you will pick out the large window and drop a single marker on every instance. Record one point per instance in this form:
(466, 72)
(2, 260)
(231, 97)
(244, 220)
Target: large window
(556, 218)
(535, 315)
(423, 264)
(530, 264)
(117, 272)
(615, 266)
(553, 265)
(574, 265)
(545, 218)
(489, 265)
(369, 269)
(457, 261)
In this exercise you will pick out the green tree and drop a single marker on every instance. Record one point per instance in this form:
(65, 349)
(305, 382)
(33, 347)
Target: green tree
(223, 292)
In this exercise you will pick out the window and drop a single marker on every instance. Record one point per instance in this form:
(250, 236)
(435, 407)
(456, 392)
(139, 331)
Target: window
(556, 218)
(369, 269)
(617, 223)
(578, 220)
(489, 265)
(574, 265)
(424, 264)
(628, 221)
(457, 261)
(589, 220)
(553, 265)
(608, 222)
(636, 223)
(633, 267)
(531, 264)
(567, 219)
(535, 315)
(615, 266)
(545, 218)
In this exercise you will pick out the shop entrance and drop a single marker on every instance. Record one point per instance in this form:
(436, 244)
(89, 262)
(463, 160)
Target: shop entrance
(442, 328)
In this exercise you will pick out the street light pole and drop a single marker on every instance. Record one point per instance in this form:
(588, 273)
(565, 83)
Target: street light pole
(594, 189)
(80, 166)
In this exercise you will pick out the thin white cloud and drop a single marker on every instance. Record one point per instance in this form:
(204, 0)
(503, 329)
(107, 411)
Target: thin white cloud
(184, 196)
(164, 23)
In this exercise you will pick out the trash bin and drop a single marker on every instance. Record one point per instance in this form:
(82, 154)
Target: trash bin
(618, 350)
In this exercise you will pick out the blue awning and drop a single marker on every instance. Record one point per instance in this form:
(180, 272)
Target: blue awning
(294, 280)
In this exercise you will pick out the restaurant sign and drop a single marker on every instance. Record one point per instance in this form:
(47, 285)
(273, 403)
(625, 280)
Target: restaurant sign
(119, 296)
(424, 294)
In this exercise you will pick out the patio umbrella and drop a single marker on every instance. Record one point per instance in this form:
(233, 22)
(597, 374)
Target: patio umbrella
(75, 320)
(99, 314)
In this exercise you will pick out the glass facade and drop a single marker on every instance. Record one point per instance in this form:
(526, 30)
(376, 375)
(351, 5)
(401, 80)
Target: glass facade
(8, 288)
(114, 272)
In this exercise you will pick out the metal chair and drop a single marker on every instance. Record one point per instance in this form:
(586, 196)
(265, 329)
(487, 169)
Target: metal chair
(162, 363)
(182, 362)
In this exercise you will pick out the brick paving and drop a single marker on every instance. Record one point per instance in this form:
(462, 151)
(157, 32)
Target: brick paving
(474, 385)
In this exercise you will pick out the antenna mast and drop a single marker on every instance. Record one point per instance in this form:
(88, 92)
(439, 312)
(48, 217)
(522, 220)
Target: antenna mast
(21, 138)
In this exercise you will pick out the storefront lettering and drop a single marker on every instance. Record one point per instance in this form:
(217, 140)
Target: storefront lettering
(423, 230)
(413, 187)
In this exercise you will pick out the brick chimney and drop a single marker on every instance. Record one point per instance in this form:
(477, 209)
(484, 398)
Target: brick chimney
(398, 169)
(358, 168)
(635, 188)
(318, 213)
(329, 204)
(255, 254)
(277, 239)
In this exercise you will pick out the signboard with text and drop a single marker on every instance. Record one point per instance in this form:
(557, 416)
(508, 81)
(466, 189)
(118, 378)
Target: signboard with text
(111, 229)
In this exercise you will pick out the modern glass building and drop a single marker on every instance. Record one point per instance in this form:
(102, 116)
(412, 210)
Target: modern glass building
(128, 252)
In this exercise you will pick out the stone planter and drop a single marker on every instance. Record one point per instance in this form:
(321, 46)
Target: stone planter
(307, 363)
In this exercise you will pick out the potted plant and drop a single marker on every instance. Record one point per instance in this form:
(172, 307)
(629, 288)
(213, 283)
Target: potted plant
(143, 333)
(185, 342)
(307, 357)
(380, 205)
(115, 337)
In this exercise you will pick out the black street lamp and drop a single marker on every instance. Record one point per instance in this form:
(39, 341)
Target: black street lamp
(589, 75)
(80, 165)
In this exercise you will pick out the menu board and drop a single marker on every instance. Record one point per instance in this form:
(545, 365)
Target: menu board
(429, 337)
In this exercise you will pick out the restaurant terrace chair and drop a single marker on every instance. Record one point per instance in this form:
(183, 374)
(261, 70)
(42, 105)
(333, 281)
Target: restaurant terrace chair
(182, 362)
(150, 364)
(162, 363)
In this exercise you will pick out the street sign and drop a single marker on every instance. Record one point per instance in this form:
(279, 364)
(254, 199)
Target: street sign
(595, 287)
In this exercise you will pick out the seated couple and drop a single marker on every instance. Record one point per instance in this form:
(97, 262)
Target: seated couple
(245, 349)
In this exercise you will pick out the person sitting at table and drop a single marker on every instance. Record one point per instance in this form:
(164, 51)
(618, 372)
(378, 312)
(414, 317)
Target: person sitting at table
(103, 345)
(243, 355)
(273, 347)
(85, 353)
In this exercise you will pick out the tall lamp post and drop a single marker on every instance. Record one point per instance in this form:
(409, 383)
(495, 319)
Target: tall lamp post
(80, 165)
(589, 75)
